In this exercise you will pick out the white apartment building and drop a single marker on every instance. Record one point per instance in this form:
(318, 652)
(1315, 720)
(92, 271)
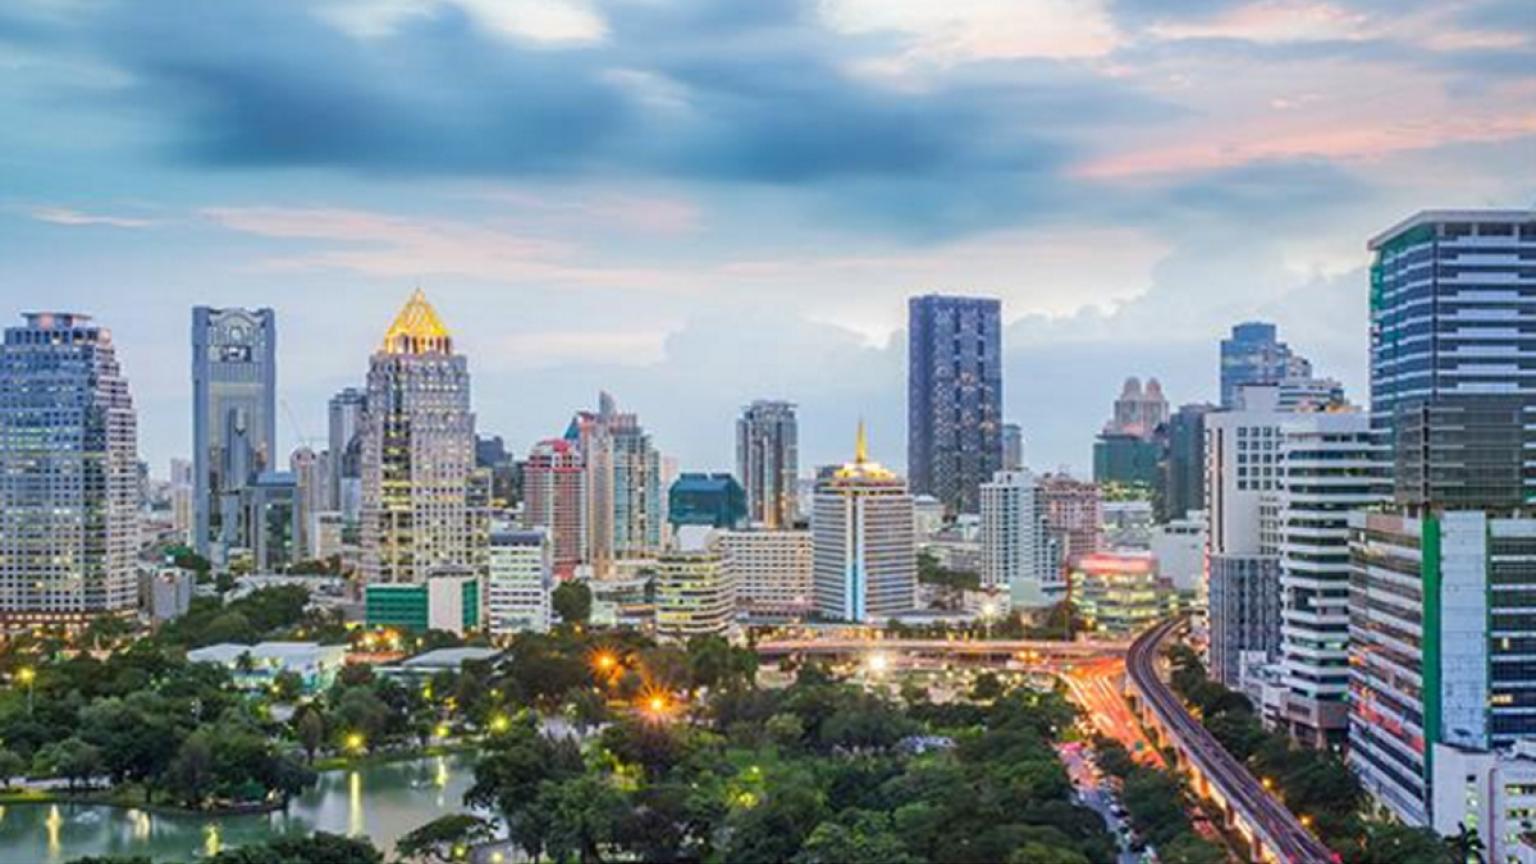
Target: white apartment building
(1018, 552)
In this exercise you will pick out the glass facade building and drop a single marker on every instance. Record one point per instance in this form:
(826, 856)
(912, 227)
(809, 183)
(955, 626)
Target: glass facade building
(954, 398)
(234, 418)
(713, 500)
(68, 473)
(768, 463)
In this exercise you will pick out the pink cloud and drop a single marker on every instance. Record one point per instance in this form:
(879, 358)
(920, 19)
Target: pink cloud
(68, 216)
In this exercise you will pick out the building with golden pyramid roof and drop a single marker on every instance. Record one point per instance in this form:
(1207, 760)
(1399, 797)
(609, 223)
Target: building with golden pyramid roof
(422, 517)
(863, 543)
(417, 329)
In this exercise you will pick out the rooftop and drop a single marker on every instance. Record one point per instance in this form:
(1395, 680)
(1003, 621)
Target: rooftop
(418, 330)
(1431, 217)
(450, 658)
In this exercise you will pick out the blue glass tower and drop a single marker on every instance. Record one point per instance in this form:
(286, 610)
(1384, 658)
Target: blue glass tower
(954, 398)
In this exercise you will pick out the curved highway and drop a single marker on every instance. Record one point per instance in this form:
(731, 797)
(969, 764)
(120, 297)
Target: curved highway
(1279, 832)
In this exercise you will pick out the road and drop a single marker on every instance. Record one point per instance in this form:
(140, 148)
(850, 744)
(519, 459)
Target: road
(1035, 649)
(1096, 688)
(1092, 792)
(1287, 840)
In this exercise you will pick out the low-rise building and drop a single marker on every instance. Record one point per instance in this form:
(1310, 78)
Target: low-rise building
(772, 570)
(520, 583)
(695, 591)
(1119, 594)
(257, 666)
(446, 601)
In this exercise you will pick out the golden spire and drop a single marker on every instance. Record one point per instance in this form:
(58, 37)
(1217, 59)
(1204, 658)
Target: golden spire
(861, 445)
(418, 329)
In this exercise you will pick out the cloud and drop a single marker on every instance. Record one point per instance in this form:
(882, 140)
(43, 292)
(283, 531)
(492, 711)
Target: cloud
(70, 216)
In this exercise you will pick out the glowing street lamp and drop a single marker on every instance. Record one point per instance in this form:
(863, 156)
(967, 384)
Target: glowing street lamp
(27, 676)
(500, 723)
(355, 742)
(878, 663)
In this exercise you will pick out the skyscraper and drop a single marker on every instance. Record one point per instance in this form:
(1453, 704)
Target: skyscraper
(1018, 552)
(1013, 447)
(1182, 469)
(68, 473)
(623, 481)
(768, 462)
(418, 453)
(954, 397)
(1329, 464)
(346, 448)
(554, 489)
(864, 553)
(1254, 355)
(234, 417)
(1441, 580)
(1242, 474)
(306, 468)
(1452, 314)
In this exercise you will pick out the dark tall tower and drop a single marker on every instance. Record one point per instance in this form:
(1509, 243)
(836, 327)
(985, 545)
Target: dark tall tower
(954, 398)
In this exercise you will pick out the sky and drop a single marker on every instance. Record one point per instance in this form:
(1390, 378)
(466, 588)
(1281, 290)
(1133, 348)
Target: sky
(696, 203)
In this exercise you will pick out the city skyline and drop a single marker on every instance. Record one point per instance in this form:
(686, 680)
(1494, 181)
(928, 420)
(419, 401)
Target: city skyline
(1166, 187)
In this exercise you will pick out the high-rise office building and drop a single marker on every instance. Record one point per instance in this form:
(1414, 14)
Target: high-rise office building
(518, 589)
(1440, 623)
(624, 485)
(1013, 447)
(772, 570)
(234, 417)
(865, 558)
(768, 462)
(418, 453)
(1330, 465)
(181, 492)
(272, 510)
(68, 474)
(954, 397)
(346, 448)
(1242, 452)
(1182, 467)
(309, 475)
(715, 500)
(1253, 354)
(1018, 552)
(554, 489)
(695, 590)
(1452, 311)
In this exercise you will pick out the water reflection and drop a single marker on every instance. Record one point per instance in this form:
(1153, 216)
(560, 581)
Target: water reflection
(382, 802)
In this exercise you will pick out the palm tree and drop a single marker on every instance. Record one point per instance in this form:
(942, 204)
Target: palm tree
(1467, 845)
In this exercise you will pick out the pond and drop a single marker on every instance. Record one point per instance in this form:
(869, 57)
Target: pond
(380, 802)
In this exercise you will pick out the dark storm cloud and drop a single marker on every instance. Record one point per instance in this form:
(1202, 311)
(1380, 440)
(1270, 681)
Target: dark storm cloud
(757, 92)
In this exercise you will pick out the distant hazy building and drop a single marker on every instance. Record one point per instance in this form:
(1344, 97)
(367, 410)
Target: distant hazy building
(418, 453)
(1013, 447)
(695, 590)
(1018, 553)
(772, 570)
(68, 474)
(1178, 547)
(1074, 513)
(1138, 411)
(712, 500)
(181, 491)
(927, 516)
(520, 583)
(1253, 354)
(1182, 467)
(309, 475)
(345, 422)
(234, 416)
(954, 397)
(554, 498)
(865, 557)
(1127, 462)
(768, 462)
(167, 593)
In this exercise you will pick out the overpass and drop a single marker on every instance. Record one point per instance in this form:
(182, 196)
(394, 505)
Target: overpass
(1272, 831)
(1025, 650)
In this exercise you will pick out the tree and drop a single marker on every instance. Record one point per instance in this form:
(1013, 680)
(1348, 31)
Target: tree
(309, 728)
(445, 839)
(11, 766)
(191, 774)
(859, 837)
(987, 687)
(584, 816)
(1400, 844)
(319, 848)
(776, 828)
(72, 759)
(287, 686)
(572, 601)
(510, 775)
(1467, 844)
(1191, 848)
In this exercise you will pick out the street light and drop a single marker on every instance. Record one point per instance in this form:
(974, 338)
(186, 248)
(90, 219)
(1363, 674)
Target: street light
(500, 723)
(27, 675)
(988, 612)
(356, 742)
